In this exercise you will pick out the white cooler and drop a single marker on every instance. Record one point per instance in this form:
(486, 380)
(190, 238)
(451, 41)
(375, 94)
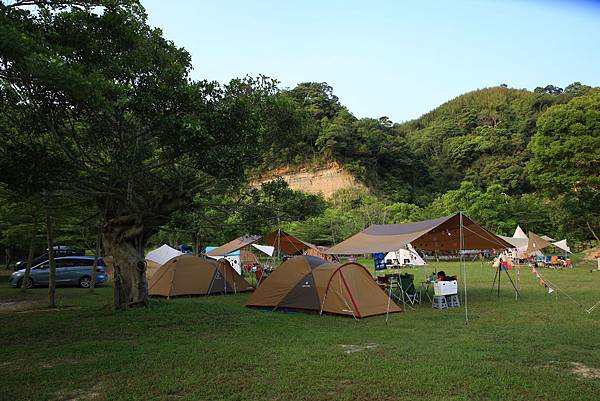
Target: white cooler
(445, 287)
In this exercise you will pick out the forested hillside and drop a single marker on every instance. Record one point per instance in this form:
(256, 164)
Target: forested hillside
(503, 156)
(475, 148)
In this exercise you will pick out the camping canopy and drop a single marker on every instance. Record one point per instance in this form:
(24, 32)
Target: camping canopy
(266, 249)
(311, 283)
(562, 244)
(162, 254)
(436, 234)
(233, 246)
(192, 275)
(285, 242)
(536, 243)
(277, 239)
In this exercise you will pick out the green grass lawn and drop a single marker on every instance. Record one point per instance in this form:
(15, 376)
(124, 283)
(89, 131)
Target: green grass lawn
(212, 348)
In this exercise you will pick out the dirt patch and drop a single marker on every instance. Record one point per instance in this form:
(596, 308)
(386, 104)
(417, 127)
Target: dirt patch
(80, 395)
(581, 370)
(17, 306)
(352, 348)
(591, 253)
(577, 368)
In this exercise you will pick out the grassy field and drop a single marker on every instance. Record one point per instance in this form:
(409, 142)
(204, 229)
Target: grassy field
(212, 348)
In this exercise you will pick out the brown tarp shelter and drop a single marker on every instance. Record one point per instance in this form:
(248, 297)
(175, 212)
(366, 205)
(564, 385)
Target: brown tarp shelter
(437, 234)
(319, 251)
(247, 258)
(536, 243)
(233, 245)
(278, 239)
(311, 283)
(285, 242)
(192, 275)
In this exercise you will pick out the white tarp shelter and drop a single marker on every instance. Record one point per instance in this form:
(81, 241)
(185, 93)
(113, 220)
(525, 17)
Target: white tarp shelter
(562, 244)
(266, 249)
(404, 257)
(163, 254)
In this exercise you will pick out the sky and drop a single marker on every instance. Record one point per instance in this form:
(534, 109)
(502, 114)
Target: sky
(398, 59)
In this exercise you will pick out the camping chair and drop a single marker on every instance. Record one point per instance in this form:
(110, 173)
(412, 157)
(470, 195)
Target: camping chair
(407, 289)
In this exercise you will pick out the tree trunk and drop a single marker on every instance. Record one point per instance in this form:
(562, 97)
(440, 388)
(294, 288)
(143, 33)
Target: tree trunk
(96, 256)
(124, 239)
(592, 230)
(52, 272)
(196, 245)
(8, 257)
(29, 256)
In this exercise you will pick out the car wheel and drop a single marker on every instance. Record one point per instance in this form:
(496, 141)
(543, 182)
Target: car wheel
(29, 283)
(85, 282)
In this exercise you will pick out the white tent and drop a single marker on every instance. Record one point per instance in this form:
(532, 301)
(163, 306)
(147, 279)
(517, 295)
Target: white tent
(404, 257)
(519, 233)
(163, 254)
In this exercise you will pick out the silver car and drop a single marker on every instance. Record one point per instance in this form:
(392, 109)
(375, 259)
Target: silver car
(70, 270)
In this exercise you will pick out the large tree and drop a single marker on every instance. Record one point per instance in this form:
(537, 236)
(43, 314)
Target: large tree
(95, 87)
(565, 162)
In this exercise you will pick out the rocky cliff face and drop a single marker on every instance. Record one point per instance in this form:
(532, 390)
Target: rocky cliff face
(324, 180)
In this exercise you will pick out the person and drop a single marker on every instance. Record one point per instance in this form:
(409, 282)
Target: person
(441, 276)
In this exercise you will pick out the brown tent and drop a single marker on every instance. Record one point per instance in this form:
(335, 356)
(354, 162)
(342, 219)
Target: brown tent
(192, 275)
(437, 234)
(151, 268)
(311, 283)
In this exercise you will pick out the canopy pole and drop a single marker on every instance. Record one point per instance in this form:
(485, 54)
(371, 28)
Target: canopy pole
(463, 267)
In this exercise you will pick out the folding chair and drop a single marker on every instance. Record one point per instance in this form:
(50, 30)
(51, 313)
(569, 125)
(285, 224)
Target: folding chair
(407, 288)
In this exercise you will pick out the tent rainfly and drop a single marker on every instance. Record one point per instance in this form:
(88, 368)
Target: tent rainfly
(437, 234)
(311, 283)
(192, 275)
(162, 254)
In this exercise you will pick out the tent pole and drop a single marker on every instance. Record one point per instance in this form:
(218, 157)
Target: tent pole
(387, 312)
(462, 262)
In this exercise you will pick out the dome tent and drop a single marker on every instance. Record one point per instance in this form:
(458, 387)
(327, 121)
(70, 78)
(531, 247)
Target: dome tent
(311, 283)
(192, 275)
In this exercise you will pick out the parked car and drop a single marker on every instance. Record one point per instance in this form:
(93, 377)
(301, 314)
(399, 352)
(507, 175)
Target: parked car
(59, 250)
(70, 270)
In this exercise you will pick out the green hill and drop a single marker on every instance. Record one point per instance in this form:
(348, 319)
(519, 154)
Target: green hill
(480, 136)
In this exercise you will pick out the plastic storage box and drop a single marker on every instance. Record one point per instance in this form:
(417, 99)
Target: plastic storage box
(445, 287)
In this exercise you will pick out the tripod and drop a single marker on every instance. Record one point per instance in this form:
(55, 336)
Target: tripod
(497, 276)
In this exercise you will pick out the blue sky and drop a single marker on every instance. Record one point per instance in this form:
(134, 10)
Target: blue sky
(389, 58)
